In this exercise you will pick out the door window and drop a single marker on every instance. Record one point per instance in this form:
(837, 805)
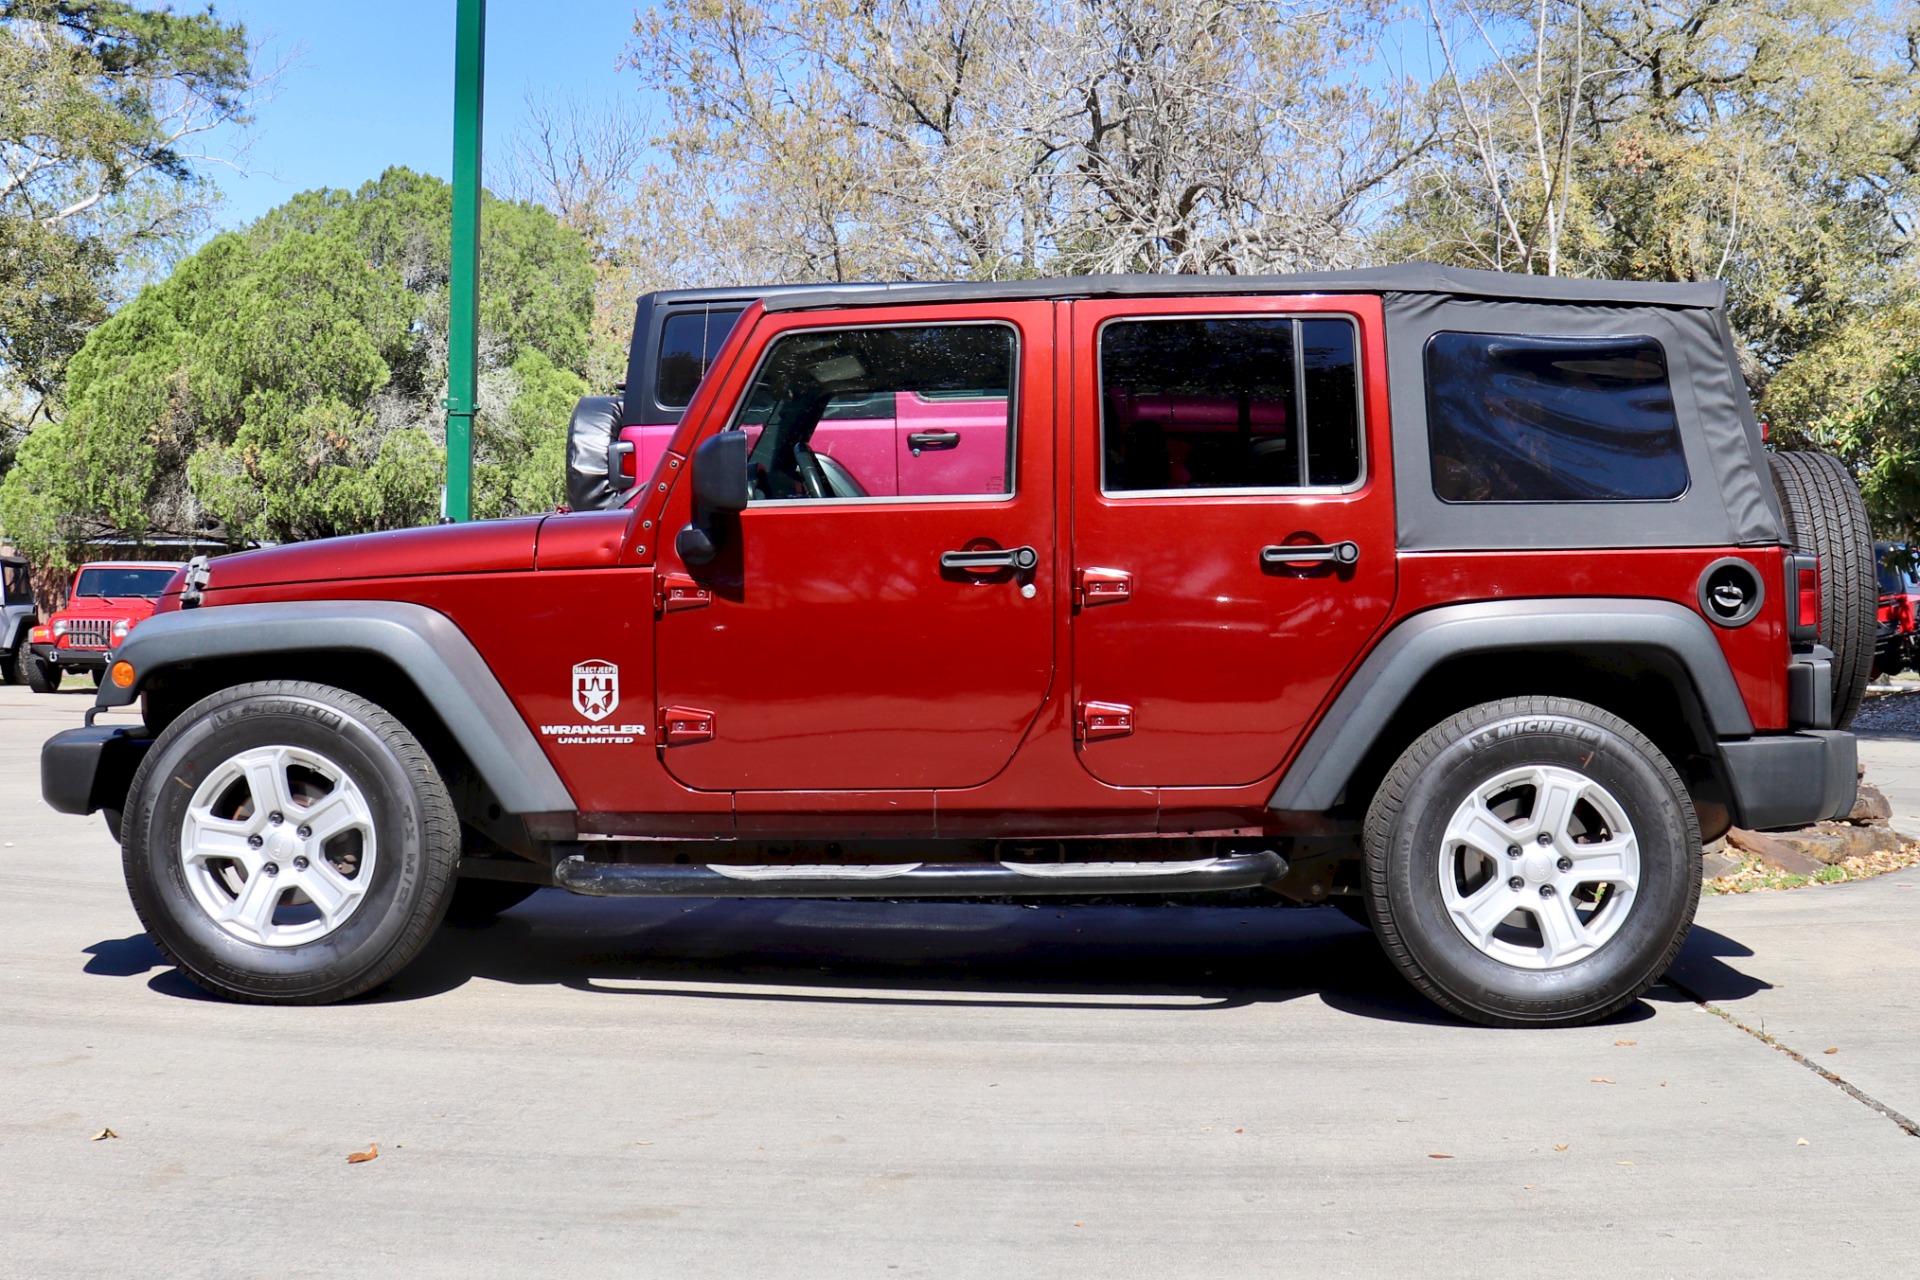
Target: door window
(1229, 403)
(818, 391)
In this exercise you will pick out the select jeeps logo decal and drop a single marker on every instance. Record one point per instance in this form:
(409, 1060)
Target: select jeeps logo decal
(596, 688)
(596, 695)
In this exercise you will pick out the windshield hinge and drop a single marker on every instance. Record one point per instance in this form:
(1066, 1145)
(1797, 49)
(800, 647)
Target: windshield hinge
(676, 591)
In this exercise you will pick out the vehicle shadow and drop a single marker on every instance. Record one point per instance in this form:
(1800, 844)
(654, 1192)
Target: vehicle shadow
(1175, 958)
(1702, 972)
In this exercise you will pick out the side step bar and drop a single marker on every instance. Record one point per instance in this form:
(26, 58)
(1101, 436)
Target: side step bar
(917, 879)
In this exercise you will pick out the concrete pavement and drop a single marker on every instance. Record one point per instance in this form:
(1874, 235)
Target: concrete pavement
(808, 1089)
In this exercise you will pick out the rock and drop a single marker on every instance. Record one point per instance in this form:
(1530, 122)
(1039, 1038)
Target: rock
(1774, 851)
(1715, 865)
(1870, 807)
(1716, 846)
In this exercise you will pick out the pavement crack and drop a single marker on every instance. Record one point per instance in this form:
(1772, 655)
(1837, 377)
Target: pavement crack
(1853, 1091)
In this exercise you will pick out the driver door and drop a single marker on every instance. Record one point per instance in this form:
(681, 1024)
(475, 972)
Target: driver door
(848, 638)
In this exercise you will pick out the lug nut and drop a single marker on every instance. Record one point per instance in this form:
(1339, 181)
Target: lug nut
(1516, 884)
(254, 842)
(306, 833)
(1566, 864)
(299, 864)
(276, 818)
(272, 869)
(1544, 837)
(1513, 851)
(1546, 891)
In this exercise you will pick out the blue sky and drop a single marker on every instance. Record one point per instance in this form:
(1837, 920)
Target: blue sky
(371, 85)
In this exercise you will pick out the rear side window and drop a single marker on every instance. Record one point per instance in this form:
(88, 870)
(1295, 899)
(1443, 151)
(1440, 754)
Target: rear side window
(1217, 404)
(688, 341)
(14, 588)
(1525, 419)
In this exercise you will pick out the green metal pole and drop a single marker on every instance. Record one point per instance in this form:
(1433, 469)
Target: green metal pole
(463, 320)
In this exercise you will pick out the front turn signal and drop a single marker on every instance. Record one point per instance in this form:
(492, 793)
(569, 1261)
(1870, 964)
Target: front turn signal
(123, 674)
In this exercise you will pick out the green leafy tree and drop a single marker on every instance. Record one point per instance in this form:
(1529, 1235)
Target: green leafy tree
(102, 104)
(285, 382)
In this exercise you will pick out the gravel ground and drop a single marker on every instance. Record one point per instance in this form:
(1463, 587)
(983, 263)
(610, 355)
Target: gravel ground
(1897, 712)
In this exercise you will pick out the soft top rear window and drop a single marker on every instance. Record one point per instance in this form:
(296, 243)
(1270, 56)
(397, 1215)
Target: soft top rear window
(688, 342)
(1512, 418)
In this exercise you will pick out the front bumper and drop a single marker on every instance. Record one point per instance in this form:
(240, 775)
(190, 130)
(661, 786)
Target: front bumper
(1786, 780)
(89, 769)
(74, 659)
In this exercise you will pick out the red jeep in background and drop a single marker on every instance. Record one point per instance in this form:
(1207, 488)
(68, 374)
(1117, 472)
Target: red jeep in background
(1469, 602)
(108, 599)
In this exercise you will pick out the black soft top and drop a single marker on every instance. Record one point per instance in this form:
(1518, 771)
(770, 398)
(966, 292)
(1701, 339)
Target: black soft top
(1407, 277)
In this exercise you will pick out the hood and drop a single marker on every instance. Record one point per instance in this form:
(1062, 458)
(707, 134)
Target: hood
(484, 546)
(115, 607)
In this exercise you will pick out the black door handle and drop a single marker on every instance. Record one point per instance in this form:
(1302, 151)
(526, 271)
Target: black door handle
(919, 440)
(1021, 558)
(1340, 553)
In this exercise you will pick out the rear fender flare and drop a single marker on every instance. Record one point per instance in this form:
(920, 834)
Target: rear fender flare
(1397, 665)
(434, 653)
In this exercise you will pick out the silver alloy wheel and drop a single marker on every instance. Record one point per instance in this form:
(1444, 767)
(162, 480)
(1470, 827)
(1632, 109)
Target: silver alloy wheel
(1539, 867)
(278, 846)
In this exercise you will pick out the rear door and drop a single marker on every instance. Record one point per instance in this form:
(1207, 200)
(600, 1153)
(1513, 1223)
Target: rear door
(1233, 535)
(870, 643)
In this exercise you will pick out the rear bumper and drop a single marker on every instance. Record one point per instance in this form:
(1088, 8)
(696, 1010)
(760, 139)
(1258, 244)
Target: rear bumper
(89, 769)
(1790, 780)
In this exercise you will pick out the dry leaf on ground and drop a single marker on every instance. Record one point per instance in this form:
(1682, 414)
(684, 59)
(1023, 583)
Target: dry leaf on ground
(1626, 1044)
(1559, 1146)
(104, 1133)
(1833, 1050)
(361, 1157)
(1435, 1155)
(1802, 1142)
(1602, 1080)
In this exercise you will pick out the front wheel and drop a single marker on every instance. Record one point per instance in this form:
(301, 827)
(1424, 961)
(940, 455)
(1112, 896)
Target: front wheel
(289, 843)
(42, 677)
(1532, 862)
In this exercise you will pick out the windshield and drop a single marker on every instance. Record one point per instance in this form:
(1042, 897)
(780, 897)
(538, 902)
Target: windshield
(123, 582)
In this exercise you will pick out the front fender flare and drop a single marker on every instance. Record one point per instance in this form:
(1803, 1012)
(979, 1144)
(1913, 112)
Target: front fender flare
(1410, 651)
(425, 645)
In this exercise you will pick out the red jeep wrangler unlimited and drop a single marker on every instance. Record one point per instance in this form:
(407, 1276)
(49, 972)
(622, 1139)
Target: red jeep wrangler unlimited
(1465, 600)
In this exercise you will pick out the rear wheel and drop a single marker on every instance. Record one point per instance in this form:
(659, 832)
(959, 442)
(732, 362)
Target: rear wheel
(1532, 862)
(1825, 515)
(289, 843)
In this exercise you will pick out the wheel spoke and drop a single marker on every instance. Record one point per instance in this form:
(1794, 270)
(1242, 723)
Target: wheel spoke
(1477, 828)
(1562, 932)
(221, 839)
(1607, 862)
(328, 890)
(1556, 792)
(266, 772)
(1482, 913)
(333, 813)
(253, 909)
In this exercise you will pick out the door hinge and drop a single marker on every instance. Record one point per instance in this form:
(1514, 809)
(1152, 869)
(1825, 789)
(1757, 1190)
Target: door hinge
(1096, 720)
(681, 725)
(1101, 586)
(673, 592)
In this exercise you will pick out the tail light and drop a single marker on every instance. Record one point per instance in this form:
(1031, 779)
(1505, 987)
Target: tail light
(1803, 590)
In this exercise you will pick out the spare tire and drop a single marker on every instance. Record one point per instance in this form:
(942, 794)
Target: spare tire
(1825, 515)
(590, 436)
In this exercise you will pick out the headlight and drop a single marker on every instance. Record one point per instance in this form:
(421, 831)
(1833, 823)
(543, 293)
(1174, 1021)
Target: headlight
(121, 628)
(59, 628)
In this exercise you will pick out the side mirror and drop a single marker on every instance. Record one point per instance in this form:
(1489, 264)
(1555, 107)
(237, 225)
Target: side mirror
(720, 473)
(720, 492)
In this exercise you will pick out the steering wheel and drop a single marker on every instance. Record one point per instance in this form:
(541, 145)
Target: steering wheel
(813, 478)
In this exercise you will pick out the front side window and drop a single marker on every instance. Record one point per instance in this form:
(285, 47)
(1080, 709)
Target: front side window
(842, 413)
(148, 583)
(1262, 402)
(1531, 419)
(688, 343)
